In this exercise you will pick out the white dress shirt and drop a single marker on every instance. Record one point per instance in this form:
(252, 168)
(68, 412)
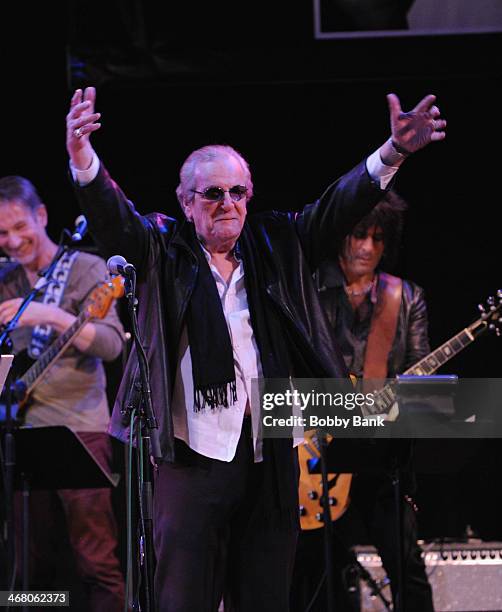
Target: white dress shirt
(215, 433)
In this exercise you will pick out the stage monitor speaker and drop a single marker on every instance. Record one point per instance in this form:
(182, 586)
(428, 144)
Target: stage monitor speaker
(465, 577)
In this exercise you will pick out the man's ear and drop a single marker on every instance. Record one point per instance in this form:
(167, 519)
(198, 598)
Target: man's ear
(187, 209)
(41, 215)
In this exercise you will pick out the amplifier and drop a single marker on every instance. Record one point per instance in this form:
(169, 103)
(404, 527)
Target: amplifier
(465, 577)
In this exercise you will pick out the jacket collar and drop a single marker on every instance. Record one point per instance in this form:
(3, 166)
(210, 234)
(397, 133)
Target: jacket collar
(184, 236)
(329, 275)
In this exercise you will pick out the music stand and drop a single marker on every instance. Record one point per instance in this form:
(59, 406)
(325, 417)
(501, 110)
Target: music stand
(370, 455)
(39, 466)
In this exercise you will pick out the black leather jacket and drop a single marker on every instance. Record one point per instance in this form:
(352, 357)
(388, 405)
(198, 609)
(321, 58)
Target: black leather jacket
(292, 244)
(411, 342)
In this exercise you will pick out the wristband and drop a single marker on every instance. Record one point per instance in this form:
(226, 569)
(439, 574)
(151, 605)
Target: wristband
(399, 149)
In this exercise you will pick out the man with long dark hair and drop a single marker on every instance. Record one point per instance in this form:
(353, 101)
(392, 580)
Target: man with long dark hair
(380, 324)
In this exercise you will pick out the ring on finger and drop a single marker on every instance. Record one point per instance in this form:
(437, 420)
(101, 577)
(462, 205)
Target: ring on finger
(77, 132)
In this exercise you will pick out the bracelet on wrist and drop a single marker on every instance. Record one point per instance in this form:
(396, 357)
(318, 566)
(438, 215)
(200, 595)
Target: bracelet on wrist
(401, 151)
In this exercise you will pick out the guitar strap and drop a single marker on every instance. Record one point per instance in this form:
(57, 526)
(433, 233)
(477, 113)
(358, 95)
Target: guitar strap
(53, 295)
(383, 326)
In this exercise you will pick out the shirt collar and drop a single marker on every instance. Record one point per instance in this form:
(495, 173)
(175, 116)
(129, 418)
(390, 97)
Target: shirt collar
(237, 253)
(330, 276)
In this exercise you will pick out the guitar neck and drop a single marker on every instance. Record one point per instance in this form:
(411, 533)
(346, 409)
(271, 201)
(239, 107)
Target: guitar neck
(448, 350)
(431, 362)
(55, 350)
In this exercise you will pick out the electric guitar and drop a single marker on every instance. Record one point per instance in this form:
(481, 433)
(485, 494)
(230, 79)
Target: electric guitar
(310, 487)
(101, 299)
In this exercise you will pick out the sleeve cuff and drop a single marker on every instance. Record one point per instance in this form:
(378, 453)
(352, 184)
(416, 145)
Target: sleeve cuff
(379, 171)
(84, 177)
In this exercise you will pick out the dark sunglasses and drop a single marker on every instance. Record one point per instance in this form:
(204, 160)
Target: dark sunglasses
(217, 194)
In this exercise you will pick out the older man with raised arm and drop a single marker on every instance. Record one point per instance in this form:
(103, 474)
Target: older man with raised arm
(224, 298)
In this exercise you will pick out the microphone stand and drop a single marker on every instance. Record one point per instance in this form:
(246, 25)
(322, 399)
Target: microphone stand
(327, 528)
(9, 454)
(148, 444)
(9, 426)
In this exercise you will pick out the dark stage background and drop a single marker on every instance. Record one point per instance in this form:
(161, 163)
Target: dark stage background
(302, 112)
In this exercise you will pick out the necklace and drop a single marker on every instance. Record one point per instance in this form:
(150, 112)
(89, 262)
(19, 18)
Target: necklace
(359, 292)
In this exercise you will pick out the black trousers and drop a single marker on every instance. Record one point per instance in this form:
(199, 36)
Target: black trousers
(374, 501)
(212, 539)
(370, 519)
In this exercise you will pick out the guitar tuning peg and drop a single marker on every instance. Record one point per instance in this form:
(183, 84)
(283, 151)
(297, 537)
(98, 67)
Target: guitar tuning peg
(481, 308)
(499, 293)
(491, 300)
(497, 331)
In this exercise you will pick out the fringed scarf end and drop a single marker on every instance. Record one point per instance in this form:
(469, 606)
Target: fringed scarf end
(215, 396)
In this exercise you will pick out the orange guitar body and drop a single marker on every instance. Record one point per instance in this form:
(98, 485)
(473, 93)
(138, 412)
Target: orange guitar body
(310, 488)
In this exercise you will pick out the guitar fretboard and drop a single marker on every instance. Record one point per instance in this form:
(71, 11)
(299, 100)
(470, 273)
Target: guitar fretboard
(49, 355)
(441, 355)
(386, 397)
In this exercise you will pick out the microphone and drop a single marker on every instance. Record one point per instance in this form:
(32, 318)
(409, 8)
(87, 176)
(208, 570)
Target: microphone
(80, 228)
(118, 265)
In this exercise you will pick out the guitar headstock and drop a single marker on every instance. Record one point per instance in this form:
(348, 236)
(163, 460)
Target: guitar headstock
(491, 313)
(103, 296)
